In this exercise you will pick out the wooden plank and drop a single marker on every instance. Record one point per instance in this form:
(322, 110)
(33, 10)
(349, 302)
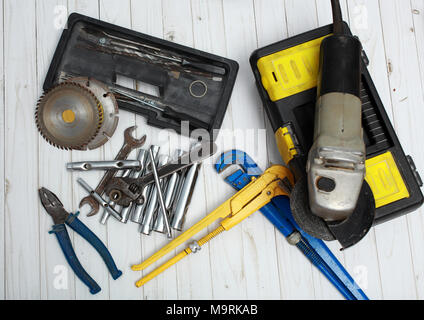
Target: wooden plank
(123, 240)
(298, 22)
(57, 278)
(393, 242)
(192, 276)
(87, 255)
(361, 260)
(147, 18)
(22, 261)
(324, 12)
(271, 23)
(258, 267)
(271, 27)
(295, 273)
(210, 35)
(364, 21)
(86, 7)
(2, 158)
(415, 220)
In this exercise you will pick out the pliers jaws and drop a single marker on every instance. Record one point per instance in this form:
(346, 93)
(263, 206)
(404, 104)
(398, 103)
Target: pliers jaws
(53, 206)
(61, 218)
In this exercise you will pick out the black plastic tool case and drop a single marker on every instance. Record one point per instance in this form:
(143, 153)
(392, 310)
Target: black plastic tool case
(379, 135)
(77, 56)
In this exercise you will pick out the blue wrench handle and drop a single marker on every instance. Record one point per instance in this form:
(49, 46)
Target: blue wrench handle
(278, 212)
(275, 217)
(75, 224)
(330, 265)
(65, 243)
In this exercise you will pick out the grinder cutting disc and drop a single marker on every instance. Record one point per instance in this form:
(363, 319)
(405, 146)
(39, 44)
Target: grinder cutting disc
(302, 214)
(347, 232)
(69, 116)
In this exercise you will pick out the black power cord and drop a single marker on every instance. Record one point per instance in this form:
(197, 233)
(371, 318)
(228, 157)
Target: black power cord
(337, 17)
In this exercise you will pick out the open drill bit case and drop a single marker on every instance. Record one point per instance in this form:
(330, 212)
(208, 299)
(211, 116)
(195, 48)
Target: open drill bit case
(190, 85)
(286, 77)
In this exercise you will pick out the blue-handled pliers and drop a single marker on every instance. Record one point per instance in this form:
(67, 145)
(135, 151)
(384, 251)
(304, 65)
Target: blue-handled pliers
(278, 212)
(61, 217)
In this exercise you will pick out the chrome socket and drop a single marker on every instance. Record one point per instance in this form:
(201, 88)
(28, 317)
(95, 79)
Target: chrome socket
(182, 202)
(137, 212)
(99, 199)
(147, 225)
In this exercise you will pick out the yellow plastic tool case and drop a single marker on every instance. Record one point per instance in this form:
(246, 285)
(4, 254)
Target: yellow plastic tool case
(286, 76)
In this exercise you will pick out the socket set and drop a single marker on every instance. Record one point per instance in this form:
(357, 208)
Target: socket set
(176, 190)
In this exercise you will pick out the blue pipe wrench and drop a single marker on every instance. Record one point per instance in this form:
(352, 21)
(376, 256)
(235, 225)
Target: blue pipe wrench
(279, 214)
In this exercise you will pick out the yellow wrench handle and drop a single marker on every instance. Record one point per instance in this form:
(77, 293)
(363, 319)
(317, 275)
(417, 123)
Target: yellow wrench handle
(162, 268)
(178, 257)
(250, 199)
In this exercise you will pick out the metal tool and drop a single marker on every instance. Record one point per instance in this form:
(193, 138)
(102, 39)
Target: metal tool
(170, 196)
(130, 144)
(126, 190)
(142, 157)
(137, 214)
(152, 201)
(334, 202)
(146, 101)
(99, 199)
(336, 161)
(171, 188)
(159, 225)
(104, 165)
(152, 103)
(159, 191)
(110, 110)
(112, 204)
(247, 201)
(106, 215)
(279, 214)
(69, 116)
(61, 217)
(184, 197)
(182, 173)
(148, 52)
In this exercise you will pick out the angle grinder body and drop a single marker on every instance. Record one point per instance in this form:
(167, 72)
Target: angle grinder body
(296, 77)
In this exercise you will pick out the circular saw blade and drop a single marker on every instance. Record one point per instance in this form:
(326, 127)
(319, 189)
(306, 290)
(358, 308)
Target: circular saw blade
(69, 116)
(110, 110)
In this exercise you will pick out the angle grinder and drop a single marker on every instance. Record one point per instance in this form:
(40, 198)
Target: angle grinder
(333, 201)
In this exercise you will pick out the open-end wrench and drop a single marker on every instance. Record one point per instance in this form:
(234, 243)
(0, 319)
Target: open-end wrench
(106, 214)
(130, 143)
(123, 191)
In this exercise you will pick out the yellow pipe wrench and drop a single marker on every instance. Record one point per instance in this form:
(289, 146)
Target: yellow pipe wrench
(275, 181)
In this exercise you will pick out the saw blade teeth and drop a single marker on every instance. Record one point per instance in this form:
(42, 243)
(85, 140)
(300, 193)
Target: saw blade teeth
(93, 103)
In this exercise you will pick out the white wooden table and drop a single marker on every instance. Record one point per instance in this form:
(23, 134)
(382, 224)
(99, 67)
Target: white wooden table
(252, 261)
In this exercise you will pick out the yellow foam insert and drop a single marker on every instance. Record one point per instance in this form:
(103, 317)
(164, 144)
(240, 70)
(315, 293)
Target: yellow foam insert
(385, 180)
(290, 71)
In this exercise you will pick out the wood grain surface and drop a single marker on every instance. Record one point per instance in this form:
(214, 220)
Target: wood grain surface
(253, 260)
